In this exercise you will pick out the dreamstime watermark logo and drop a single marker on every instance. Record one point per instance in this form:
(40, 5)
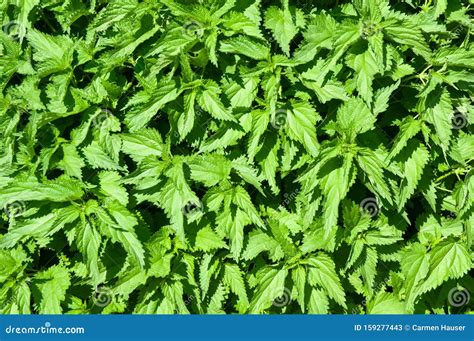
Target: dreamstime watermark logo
(458, 297)
(358, 308)
(200, 117)
(193, 29)
(93, 217)
(101, 117)
(288, 198)
(6, 305)
(279, 119)
(304, 4)
(102, 296)
(189, 300)
(192, 207)
(198, 111)
(458, 30)
(14, 30)
(284, 299)
(14, 209)
(46, 329)
(380, 286)
(459, 119)
(370, 206)
(176, 135)
(369, 29)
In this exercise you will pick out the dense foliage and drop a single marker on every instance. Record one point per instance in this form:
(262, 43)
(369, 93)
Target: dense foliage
(239, 156)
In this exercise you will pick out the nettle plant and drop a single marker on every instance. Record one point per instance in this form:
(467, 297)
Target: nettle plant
(239, 156)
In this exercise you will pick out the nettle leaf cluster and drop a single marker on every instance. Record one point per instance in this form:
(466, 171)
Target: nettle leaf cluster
(239, 156)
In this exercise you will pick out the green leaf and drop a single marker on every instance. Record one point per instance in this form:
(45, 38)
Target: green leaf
(114, 12)
(302, 119)
(217, 301)
(440, 7)
(241, 95)
(98, 158)
(415, 266)
(26, 7)
(36, 228)
(207, 240)
(141, 144)
(373, 167)
(318, 302)
(271, 286)
(62, 189)
(322, 273)
(440, 114)
(246, 46)
(247, 172)
(335, 187)
(209, 100)
(51, 285)
(299, 278)
(124, 232)
(186, 120)
(210, 169)
(52, 53)
(382, 97)
(408, 129)
(412, 169)
(233, 277)
(319, 34)
(236, 232)
(448, 260)
(71, 163)
(240, 23)
(354, 117)
(408, 34)
(260, 242)
(366, 67)
(177, 199)
(110, 184)
(386, 303)
(88, 242)
(142, 113)
(284, 25)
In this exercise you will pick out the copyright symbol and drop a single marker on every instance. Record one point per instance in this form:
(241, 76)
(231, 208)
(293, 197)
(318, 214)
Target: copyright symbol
(407, 327)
